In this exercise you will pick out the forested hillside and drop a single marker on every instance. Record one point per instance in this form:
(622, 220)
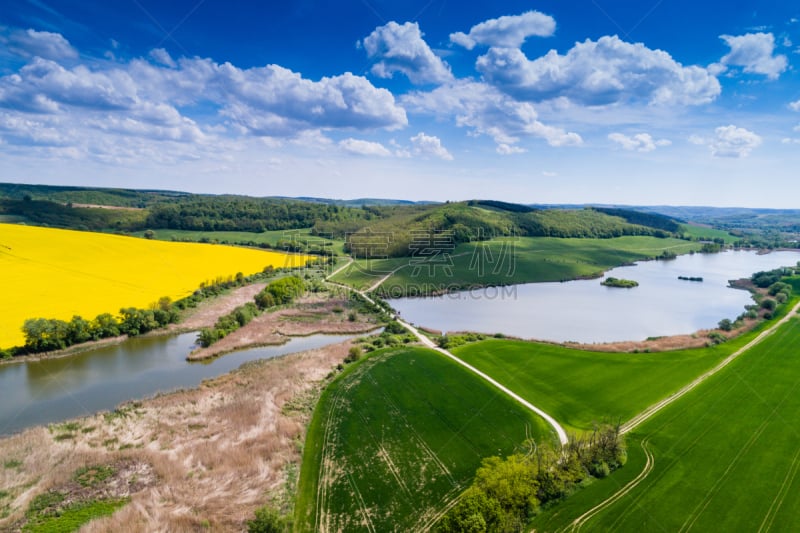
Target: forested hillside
(395, 224)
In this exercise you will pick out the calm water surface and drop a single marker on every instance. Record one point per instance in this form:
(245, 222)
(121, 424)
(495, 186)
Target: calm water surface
(585, 311)
(51, 390)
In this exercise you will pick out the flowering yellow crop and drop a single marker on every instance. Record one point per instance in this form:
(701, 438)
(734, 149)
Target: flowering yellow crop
(53, 273)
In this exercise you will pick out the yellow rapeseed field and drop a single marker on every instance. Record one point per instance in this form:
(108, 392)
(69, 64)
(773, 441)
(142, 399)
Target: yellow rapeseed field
(54, 273)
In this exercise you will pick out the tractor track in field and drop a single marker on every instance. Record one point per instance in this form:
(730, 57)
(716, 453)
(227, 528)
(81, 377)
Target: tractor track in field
(579, 522)
(639, 419)
(655, 408)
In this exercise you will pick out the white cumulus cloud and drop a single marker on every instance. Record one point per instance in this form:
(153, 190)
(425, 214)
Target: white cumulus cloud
(729, 141)
(44, 44)
(162, 57)
(430, 145)
(795, 106)
(360, 147)
(505, 149)
(507, 31)
(601, 72)
(640, 142)
(400, 48)
(486, 111)
(271, 100)
(754, 53)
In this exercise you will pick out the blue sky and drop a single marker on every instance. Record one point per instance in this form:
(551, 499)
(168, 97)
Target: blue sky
(633, 102)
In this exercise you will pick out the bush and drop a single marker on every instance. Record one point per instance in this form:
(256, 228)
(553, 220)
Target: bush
(725, 324)
(353, 355)
(769, 304)
(717, 337)
(267, 520)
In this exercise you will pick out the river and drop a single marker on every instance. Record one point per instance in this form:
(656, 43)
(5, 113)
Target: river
(56, 389)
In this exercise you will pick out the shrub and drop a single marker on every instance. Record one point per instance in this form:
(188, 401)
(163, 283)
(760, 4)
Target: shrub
(769, 304)
(717, 337)
(353, 355)
(725, 324)
(267, 520)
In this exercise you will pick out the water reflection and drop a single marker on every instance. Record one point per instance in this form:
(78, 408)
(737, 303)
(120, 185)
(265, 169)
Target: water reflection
(585, 311)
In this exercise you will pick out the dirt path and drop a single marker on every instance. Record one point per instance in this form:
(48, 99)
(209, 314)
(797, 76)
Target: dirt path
(562, 435)
(384, 278)
(656, 407)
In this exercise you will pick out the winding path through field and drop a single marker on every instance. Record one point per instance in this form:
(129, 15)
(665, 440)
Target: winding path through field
(427, 342)
(639, 419)
(562, 435)
(579, 522)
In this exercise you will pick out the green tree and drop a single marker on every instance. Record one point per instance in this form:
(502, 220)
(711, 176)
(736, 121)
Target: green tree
(769, 304)
(725, 324)
(78, 330)
(104, 326)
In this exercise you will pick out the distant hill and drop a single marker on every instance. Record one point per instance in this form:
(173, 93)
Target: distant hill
(137, 210)
(357, 202)
(88, 195)
(402, 226)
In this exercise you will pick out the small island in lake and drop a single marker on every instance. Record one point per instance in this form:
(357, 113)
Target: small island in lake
(685, 278)
(622, 283)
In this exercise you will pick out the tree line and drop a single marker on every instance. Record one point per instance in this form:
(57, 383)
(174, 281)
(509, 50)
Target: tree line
(507, 493)
(48, 334)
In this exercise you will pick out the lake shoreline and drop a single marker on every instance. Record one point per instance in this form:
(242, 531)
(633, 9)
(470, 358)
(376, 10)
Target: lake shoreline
(661, 314)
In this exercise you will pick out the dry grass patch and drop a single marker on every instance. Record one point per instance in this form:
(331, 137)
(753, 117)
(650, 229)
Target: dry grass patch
(215, 453)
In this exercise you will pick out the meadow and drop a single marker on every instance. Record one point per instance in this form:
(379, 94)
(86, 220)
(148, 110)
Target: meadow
(579, 388)
(726, 455)
(702, 232)
(507, 261)
(54, 273)
(397, 437)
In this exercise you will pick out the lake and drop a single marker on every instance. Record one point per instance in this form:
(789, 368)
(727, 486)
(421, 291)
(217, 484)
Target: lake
(585, 311)
(52, 390)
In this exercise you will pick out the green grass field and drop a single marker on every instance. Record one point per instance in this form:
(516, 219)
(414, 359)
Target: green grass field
(726, 455)
(579, 388)
(708, 233)
(399, 436)
(509, 261)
